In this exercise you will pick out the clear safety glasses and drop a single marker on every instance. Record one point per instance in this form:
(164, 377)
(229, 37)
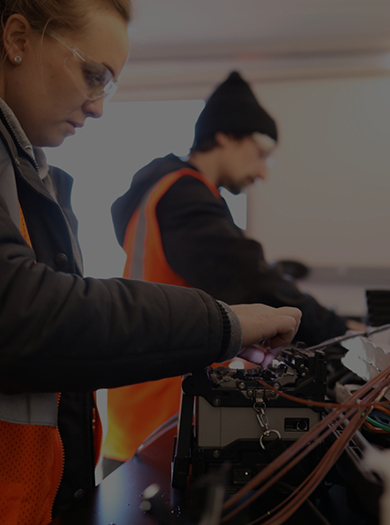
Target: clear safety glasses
(92, 78)
(266, 146)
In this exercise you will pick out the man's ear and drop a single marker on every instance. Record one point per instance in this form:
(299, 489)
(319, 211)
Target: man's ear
(222, 139)
(15, 35)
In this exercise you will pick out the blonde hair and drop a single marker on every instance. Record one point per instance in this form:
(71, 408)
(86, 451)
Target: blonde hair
(59, 14)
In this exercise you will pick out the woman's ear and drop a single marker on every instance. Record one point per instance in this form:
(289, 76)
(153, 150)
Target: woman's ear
(15, 36)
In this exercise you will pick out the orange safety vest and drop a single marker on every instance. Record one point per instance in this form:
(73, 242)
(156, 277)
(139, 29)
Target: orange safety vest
(31, 462)
(135, 411)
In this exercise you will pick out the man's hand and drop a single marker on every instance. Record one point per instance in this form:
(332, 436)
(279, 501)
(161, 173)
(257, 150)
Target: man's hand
(266, 330)
(356, 326)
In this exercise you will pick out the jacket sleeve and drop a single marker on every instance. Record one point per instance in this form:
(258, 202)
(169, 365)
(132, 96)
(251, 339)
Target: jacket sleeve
(61, 332)
(203, 245)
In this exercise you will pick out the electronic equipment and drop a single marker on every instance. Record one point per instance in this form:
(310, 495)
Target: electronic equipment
(238, 416)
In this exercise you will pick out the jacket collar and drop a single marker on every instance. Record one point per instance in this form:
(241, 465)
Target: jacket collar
(36, 154)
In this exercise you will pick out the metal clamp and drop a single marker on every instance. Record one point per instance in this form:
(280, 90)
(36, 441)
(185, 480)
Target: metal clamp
(259, 407)
(261, 416)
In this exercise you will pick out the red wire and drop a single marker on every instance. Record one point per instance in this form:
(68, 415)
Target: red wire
(377, 430)
(322, 404)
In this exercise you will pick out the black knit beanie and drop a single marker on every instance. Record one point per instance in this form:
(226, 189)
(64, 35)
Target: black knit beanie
(233, 108)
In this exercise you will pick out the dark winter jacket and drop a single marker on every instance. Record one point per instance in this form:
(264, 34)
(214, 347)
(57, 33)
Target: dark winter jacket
(60, 332)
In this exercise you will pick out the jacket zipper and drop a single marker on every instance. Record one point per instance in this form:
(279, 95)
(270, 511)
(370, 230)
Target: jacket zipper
(59, 461)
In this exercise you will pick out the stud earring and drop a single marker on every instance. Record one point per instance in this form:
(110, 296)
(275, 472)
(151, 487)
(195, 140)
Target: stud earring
(17, 59)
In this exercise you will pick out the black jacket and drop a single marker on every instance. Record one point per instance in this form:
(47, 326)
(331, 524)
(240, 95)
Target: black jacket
(60, 332)
(204, 246)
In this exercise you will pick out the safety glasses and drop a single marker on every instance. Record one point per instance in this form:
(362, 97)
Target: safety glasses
(266, 146)
(92, 78)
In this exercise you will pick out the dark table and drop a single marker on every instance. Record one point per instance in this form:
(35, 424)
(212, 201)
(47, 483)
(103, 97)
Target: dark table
(117, 499)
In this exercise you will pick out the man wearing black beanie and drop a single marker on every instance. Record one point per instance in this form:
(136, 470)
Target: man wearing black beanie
(176, 228)
(233, 108)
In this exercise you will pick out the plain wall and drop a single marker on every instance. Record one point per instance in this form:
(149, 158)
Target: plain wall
(327, 200)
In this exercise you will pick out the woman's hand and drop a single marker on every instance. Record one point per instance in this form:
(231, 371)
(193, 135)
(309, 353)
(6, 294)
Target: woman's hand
(266, 330)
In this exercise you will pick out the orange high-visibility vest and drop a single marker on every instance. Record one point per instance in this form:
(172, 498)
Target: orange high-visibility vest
(135, 411)
(31, 464)
(31, 460)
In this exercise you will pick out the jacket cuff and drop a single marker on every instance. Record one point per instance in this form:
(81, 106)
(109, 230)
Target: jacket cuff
(232, 333)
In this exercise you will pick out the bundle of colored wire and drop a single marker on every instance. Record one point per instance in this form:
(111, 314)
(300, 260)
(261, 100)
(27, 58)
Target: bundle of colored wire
(378, 421)
(353, 411)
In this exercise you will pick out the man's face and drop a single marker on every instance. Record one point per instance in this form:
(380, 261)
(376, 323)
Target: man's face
(243, 161)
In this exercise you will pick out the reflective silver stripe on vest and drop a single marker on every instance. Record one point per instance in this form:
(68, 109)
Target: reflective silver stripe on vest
(137, 267)
(29, 409)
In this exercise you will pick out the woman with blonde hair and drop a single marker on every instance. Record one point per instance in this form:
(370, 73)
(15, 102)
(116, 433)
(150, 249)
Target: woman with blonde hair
(63, 336)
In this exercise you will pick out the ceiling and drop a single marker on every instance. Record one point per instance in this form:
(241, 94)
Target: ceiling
(180, 47)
